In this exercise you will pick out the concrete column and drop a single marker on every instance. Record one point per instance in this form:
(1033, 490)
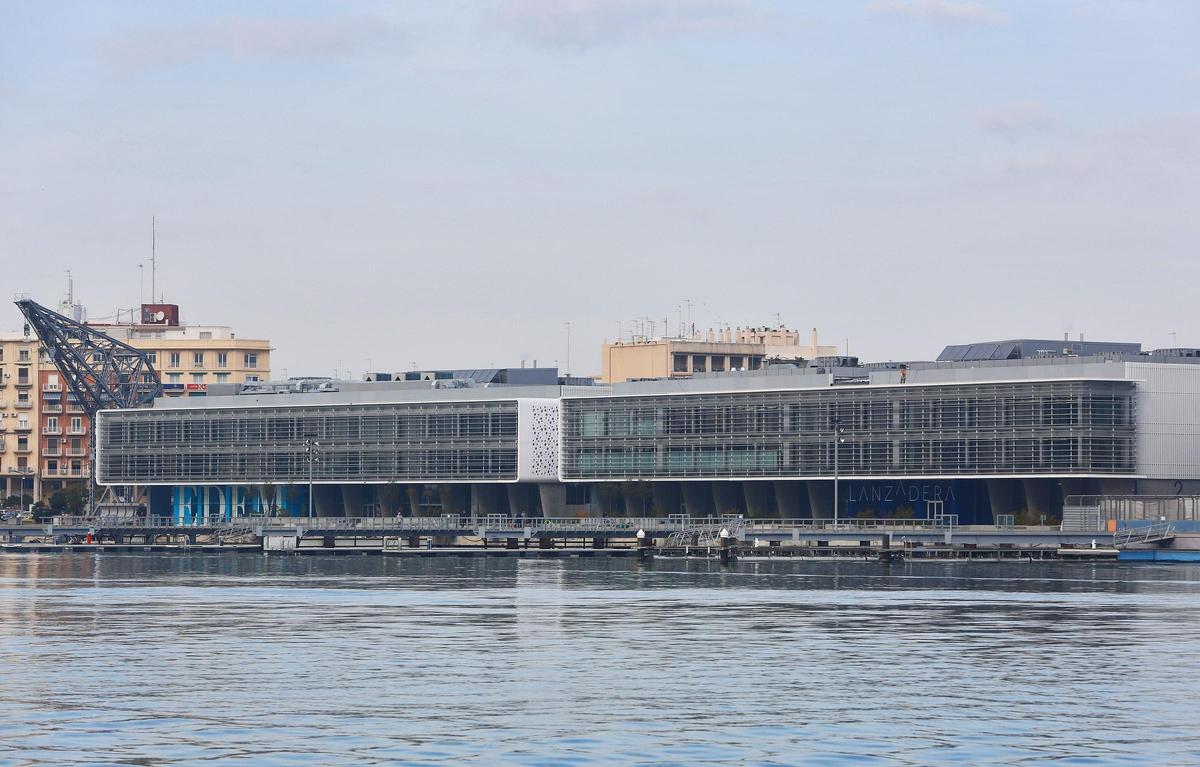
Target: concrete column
(352, 500)
(554, 499)
(634, 504)
(518, 499)
(820, 498)
(1043, 496)
(727, 498)
(758, 498)
(666, 498)
(1006, 496)
(414, 499)
(697, 499)
(791, 498)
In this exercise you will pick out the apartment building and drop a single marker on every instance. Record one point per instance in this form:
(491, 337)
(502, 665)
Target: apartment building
(19, 363)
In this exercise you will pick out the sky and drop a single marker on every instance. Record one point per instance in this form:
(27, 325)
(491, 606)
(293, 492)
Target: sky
(446, 183)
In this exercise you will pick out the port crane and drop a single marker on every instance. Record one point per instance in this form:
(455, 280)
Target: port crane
(100, 371)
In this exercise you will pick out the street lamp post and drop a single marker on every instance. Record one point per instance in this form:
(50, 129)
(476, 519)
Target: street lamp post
(312, 449)
(838, 430)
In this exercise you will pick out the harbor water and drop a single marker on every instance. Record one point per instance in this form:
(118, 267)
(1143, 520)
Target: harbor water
(191, 659)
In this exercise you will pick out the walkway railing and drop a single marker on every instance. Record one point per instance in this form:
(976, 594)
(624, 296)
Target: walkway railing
(452, 523)
(1152, 533)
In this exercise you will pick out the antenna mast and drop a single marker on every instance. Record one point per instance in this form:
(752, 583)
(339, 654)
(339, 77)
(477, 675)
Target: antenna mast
(153, 257)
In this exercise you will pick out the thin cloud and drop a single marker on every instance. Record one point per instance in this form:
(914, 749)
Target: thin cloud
(939, 11)
(586, 23)
(1015, 119)
(245, 37)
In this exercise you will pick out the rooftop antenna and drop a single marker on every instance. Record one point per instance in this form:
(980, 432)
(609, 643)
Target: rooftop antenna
(153, 257)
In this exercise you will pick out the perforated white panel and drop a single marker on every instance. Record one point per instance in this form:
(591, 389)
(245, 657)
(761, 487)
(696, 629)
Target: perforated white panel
(537, 439)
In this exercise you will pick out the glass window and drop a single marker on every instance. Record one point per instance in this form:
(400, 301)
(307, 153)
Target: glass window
(173, 360)
(251, 360)
(699, 363)
(174, 378)
(197, 378)
(222, 359)
(198, 359)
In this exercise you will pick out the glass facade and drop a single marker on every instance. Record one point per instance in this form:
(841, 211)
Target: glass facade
(1019, 428)
(424, 442)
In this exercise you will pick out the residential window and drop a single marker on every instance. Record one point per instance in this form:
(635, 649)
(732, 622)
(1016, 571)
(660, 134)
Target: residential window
(23, 355)
(97, 357)
(174, 378)
(23, 375)
(23, 398)
(222, 377)
(197, 378)
(198, 359)
(222, 359)
(76, 446)
(22, 443)
(251, 360)
(1, 354)
(76, 425)
(51, 467)
(52, 424)
(22, 421)
(52, 444)
(173, 360)
(251, 379)
(152, 357)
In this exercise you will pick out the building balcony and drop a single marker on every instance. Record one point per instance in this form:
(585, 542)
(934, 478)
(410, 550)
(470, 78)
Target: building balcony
(23, 383)
(76, 452)
(48, 408)
(77, 473)
(52, 431)
(23, 427)
(52, 387)
(77, 431)
(23, 404)
(51, 452)
(23, 450)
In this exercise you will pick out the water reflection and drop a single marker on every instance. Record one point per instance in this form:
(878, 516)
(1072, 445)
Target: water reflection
(174, 660)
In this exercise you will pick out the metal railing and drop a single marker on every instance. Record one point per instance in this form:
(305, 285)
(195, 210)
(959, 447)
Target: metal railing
(1157, 507)
(1152, 533)
(453, 523)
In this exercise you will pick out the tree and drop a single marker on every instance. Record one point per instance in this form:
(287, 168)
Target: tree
(42, 512)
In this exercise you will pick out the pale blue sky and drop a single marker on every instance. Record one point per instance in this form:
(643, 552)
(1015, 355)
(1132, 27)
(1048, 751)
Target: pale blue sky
(367, 179)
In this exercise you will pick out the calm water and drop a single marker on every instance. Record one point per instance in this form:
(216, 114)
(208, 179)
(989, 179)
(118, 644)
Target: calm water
(184, 660)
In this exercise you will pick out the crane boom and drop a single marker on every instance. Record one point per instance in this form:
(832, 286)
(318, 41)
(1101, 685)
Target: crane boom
(100, 371)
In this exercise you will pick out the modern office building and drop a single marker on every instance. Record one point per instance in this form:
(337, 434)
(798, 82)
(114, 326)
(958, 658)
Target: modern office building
(368, 448)
(973, 439)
